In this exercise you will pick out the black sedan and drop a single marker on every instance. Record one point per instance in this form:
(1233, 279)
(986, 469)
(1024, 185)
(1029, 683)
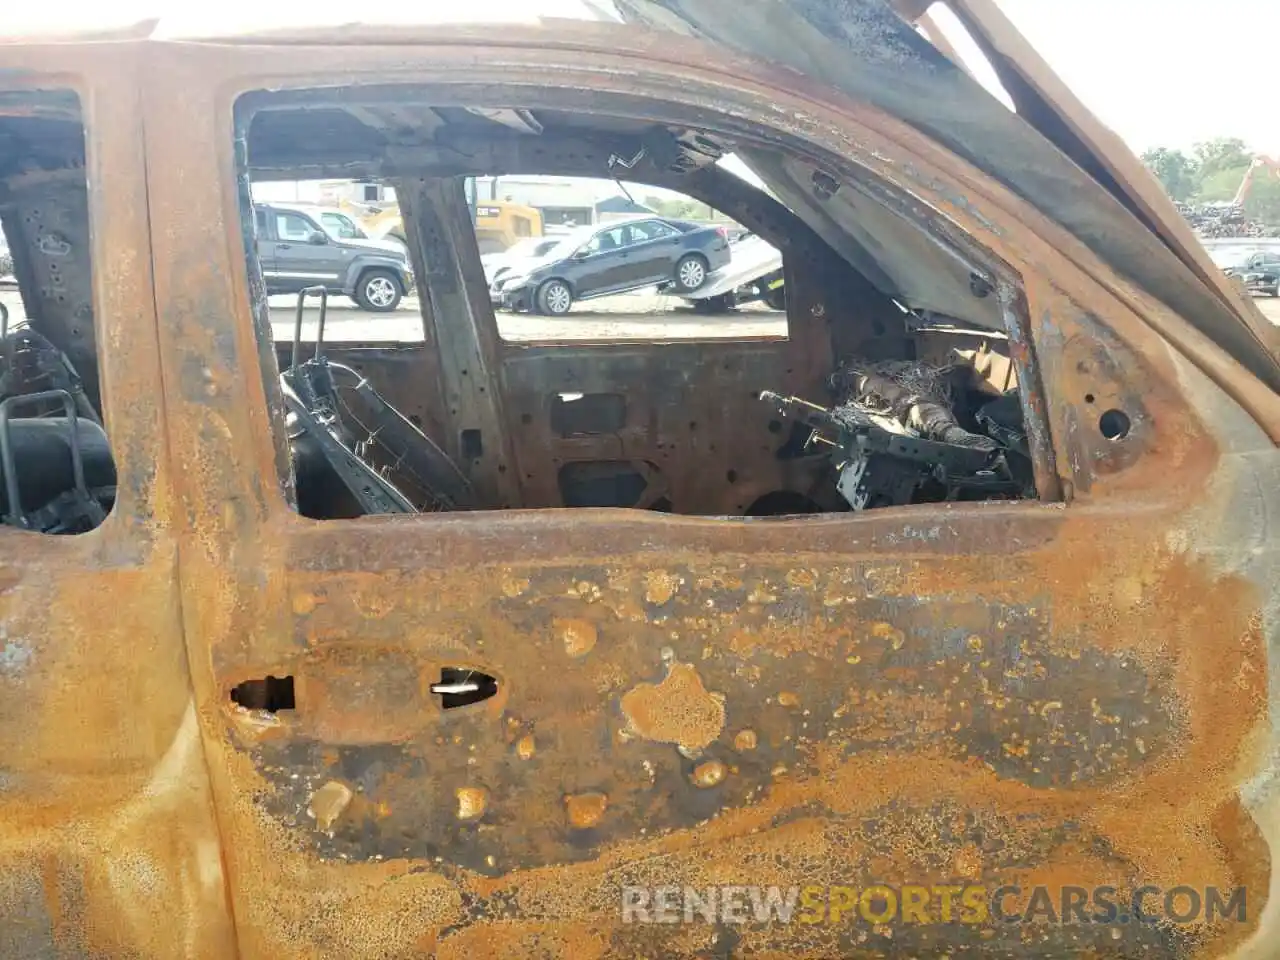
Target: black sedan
(613, 258)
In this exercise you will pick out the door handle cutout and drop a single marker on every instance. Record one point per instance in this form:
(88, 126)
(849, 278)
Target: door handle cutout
(270, 693)
(460, 687)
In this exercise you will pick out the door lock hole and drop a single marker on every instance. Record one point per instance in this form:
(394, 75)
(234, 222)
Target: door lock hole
(1114, 424)
(270, 693)
(461, 687)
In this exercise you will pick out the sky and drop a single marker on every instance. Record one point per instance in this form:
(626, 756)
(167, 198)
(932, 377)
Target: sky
(1158, 72)
(1166, 72)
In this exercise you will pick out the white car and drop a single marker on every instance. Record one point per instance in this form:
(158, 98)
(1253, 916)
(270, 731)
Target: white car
(754, 272)
(522, 252)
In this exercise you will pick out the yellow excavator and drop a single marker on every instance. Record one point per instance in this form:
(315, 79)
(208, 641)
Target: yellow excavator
(499, 223)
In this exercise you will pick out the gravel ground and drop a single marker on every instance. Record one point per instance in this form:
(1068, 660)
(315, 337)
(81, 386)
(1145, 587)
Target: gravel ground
(634, 316)
(1270, 307)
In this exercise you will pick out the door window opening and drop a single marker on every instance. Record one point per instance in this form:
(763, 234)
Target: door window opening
(882, 389)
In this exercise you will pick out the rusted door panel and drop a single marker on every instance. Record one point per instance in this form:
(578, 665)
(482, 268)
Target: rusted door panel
(816, 702)
(108, 844)
(690, 410)
(107, 832)
(1010, 693)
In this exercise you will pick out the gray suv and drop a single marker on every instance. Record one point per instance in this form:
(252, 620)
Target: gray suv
(297, 251)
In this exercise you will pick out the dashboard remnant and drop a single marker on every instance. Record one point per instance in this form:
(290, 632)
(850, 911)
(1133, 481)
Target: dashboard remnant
(895, 436)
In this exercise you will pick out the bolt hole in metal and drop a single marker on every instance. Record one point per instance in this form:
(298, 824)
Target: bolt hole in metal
(272, 694)
(1115, 424)
(462, 686)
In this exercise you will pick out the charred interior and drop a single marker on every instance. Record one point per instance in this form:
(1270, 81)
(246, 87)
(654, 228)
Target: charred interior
(59, 476)
(894, 384)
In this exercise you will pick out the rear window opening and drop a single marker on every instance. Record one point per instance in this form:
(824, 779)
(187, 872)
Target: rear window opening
(887, 380)
(57, 474)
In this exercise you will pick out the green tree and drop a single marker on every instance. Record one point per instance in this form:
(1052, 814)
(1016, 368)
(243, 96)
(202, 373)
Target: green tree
(677, 208)
(1222, 153)
(1222, 184)
(1174, 169)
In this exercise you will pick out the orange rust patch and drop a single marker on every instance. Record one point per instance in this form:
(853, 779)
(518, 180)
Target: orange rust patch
(804, 579)
(304, 603)
(578, 636)
(660, 586)
(745, 740)
(679, 710)
(709, 774)
(887, 631)
(585, 810)
(968, 862)
(525, 747)
(328, 804)
(788, 699)
(373, 605)
(472, 802)
(513, 587)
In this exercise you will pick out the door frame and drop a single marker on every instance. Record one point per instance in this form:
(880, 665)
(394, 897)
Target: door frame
(267, 592)
(110, 832)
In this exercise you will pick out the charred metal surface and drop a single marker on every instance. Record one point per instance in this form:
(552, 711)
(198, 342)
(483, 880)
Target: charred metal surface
(684, 402)
(1101, 379)
(686, 405)
(45, 215)
(811, 719)
(269, 366)
(327, 135)
(595, 701)
(455, 303)
(1023, 353)
(286, 144)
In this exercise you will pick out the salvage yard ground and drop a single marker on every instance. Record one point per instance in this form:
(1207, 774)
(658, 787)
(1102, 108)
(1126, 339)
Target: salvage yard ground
(636, 316)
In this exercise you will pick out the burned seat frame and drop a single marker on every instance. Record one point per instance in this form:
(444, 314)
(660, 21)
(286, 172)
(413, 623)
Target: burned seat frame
(311, 390)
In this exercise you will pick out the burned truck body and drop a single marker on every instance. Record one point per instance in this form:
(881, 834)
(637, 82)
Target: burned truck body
(466, 644)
